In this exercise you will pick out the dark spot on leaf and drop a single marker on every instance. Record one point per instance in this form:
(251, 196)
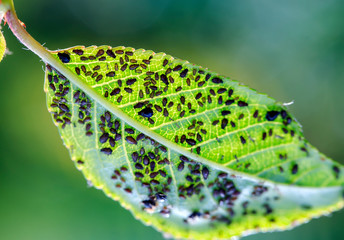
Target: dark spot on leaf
(103, 138)
(184, 159)
(128, 90)
(149, 203)
(230, 92)
(271, 115)
(217, 80)
(205, 173)
(225, 112)
(131, 140)
(215, 122)
(164, 78)
(106, 151)
(110, 53)
(181, 166)
(220, 100)
(184, 72)
(100, 77)
(190, 141)
(64, 57)
(139, 105)
(177, 68)
(140, 137)
(221, 90)
(288, 121)
(268, 209)
(160, 196)
(146, 112)
(64, 107)
(336, 171)
(100, 52)
(198, 96)
(115, 91)
(77, 70)
(154, 182)
(133, 66)
(124, 67)
(129, 53)
(110, 74)
(283, 114)
(189, 178)
(153, 174)
(242, 104)
(138, 175)
(78, 51)
(224, 123)
(138, 166)
(294, 169)
(229, 102)
(131, 81)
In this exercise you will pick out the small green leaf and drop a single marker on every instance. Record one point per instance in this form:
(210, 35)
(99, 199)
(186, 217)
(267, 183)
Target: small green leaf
(216, 159)
(2, 39)
(2, 46)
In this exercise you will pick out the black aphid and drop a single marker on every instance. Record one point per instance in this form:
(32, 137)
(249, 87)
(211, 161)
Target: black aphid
(336, 171)
(216, 80)
(107, 151)
(131, 140)
(205, 172)
(195, 215)
(271, 115)
(149, 203)
(103, 138)
(294, 169)
(138, 175)
(64, 57)
(146, 112)
(181, 166)
(160, 196)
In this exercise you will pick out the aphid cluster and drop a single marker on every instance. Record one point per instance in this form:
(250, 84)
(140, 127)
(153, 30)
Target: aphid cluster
(110, 132)
(84, 110)
(194, 176)
(225, 192)
(120, 180)
(150, 164)
(59, 85)
(201, 109)
(202, 112)
(163, 91)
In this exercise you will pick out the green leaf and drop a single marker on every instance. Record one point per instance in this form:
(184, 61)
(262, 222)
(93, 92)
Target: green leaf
(216, 159)
(2, 46)
(2, 39)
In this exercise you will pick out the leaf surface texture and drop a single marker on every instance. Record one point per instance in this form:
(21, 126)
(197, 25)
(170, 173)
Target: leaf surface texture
(236, 161)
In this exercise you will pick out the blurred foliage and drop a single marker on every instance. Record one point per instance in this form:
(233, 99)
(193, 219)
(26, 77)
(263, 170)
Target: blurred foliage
(291, 50)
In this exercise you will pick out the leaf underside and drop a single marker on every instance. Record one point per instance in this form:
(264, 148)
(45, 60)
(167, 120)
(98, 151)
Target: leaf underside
(259, 173)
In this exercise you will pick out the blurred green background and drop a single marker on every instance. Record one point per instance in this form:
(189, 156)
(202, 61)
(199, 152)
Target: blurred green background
(292, 50)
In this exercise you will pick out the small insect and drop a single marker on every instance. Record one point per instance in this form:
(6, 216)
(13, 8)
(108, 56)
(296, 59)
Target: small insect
(146, 112)
(272, 115)
(64, 57)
